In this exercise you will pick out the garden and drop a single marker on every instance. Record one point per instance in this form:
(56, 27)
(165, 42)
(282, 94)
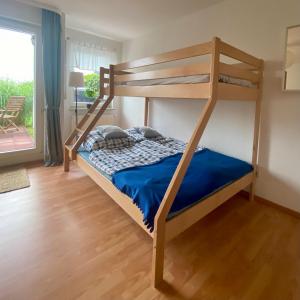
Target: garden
(10, 88)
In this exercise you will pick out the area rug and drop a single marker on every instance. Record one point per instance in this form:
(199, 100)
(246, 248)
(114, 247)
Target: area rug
(13, 179)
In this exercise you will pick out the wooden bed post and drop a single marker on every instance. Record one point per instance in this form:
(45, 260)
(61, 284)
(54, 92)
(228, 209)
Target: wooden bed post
(256, 131)
(146, 112)
(66, 160)
(160, 218)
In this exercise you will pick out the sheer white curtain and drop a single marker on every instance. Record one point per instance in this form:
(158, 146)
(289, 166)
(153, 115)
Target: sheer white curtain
(91, 57)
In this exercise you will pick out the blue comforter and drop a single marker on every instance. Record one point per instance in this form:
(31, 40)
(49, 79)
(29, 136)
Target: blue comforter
(208, 172)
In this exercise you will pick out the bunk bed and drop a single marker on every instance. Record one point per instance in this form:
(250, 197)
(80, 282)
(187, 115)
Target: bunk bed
(197, 80)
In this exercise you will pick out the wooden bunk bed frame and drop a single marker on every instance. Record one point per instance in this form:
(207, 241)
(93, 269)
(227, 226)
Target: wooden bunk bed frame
(249, 68)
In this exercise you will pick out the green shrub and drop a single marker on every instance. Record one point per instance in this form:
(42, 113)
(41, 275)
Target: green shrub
(91, 82)
(10, 88)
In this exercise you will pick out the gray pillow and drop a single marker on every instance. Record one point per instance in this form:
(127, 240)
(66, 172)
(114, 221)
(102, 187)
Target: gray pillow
(111, 132)
(148, 132)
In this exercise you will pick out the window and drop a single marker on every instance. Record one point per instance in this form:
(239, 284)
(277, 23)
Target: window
(90, 91)
(88, 58)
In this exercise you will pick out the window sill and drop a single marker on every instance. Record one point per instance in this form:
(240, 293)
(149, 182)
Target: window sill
(83, 108)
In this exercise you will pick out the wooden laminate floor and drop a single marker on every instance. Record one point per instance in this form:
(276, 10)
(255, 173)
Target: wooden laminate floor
(63, 238)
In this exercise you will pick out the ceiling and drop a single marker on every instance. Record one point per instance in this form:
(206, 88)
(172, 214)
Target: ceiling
(123, 19)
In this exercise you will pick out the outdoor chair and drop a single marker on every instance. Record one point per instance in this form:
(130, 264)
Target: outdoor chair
(10, 113)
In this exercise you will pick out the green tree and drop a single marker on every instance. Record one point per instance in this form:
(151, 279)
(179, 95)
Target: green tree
(91, 82)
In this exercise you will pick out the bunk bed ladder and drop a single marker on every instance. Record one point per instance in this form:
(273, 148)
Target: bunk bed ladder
(91, 117)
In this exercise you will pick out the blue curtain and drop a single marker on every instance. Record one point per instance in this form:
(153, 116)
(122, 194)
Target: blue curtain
(51, 37)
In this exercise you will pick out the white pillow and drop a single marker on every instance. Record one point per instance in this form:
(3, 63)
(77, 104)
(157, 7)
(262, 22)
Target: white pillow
(111, 132)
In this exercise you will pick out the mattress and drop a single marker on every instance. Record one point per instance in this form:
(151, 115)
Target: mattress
(85, 155)
(188, 80)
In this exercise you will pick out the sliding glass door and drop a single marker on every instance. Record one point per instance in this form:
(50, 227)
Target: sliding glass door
(21, 96)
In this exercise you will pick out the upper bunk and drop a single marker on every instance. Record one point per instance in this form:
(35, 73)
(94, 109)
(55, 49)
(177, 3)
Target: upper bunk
(177, 74)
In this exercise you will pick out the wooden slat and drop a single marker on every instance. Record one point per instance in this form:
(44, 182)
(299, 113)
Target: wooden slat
(235, 92)
(104, 70)
(190, 91)
(190, 216)
(79, 130)
(187, 91)
(121, 199)
(111, 81)
(236, 72)
(101, 82)
(240, 55)
(245, 66)
(186, 70)
(192, 51)
(122, 72)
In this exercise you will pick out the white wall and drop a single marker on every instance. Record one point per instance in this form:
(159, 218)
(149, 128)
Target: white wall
(112, 115)
(259, 28)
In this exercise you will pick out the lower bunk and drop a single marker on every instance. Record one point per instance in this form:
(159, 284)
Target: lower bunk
(175, 224)
(211, 179)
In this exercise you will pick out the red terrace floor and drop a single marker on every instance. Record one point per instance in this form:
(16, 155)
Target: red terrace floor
(14, 141)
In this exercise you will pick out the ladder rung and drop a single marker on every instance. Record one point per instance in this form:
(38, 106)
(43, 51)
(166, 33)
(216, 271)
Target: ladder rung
(79, 130)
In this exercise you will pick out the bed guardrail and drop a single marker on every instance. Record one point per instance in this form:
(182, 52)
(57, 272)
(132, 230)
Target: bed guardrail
(129, 74)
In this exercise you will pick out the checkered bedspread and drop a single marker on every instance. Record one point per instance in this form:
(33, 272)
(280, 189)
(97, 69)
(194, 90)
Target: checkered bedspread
(111, 160)
(118, 154)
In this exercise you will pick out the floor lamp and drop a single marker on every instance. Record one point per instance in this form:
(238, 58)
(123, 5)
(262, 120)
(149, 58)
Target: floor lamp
(76, 81)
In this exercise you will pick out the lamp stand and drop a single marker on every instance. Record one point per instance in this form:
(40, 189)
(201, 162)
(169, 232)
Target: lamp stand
(76, 111)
